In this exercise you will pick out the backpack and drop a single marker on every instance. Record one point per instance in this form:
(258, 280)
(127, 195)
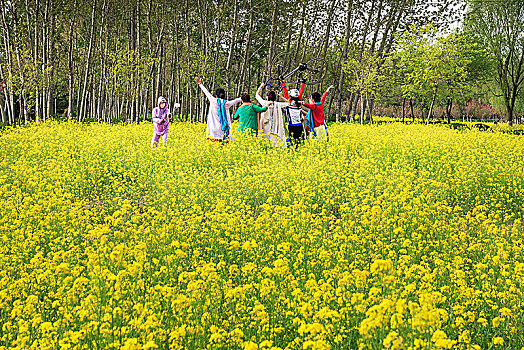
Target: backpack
(294, 115)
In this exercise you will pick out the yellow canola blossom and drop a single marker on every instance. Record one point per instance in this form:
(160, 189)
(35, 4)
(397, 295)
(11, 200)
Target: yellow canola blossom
(393, 236)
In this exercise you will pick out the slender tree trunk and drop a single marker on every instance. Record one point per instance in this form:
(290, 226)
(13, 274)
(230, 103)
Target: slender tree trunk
(20, 109)
(403, 109)
(299, 41)
(8, 91)
(71, 71)
(349, 108)
(412, 109)
(159, 85)
(362, 110)
(430, 111)
(370, 105)
(24, 103)
(248, 49)
(2, 109)
(177, 70)
(449, 108)
(272, 36)
(52, 67)
(151, 87)
(103, 54)
(6, 96)
(9, 110)
(289, 33)
(12, 121)
(366, 29)
(92, 103)
(22, 96)
(37, 106)
(231, 48)
(83, 99)
(378, 25)
(344, 59)
(509, 111)
(216, 45)
(354, 106)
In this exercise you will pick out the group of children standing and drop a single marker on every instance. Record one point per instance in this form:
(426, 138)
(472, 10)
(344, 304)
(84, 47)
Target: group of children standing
(302, 119)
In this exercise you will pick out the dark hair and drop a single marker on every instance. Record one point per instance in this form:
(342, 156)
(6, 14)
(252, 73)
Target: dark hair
(245, 97)
(271, 95)
(220, 93)
(316, 96)
(296, 100)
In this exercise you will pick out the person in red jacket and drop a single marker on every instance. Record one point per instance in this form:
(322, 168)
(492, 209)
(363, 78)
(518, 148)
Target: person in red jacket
(316, 111)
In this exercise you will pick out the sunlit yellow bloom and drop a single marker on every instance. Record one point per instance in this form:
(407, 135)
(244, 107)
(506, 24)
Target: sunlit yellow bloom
(498, 341)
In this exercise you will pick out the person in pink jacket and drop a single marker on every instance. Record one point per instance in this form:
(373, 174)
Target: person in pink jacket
(161, 117)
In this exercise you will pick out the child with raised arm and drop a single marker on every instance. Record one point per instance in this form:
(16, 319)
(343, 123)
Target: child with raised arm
(161, 116)
(218, 120)
(316, 113)
(272, 120)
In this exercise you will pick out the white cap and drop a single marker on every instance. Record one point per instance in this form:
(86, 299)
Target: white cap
(294, 93)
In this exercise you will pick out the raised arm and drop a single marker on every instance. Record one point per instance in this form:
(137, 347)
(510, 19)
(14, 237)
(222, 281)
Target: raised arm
(301, 91)
(258, 96)
(206, 91)
(281, 104)
(284, 90)
(259, 91)
(285, 99)
(230, 104)
(323, 99)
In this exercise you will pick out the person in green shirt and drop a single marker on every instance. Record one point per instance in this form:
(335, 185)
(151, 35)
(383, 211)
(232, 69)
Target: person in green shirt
(247, 115)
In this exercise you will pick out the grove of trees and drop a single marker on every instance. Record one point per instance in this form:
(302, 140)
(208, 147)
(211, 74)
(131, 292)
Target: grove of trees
(108, 60)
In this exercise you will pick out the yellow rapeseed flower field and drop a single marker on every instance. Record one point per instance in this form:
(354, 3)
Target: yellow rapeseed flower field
(394, 237)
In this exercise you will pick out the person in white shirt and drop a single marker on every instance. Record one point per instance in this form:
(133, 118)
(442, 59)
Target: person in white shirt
(272, 121)
(218, 119)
